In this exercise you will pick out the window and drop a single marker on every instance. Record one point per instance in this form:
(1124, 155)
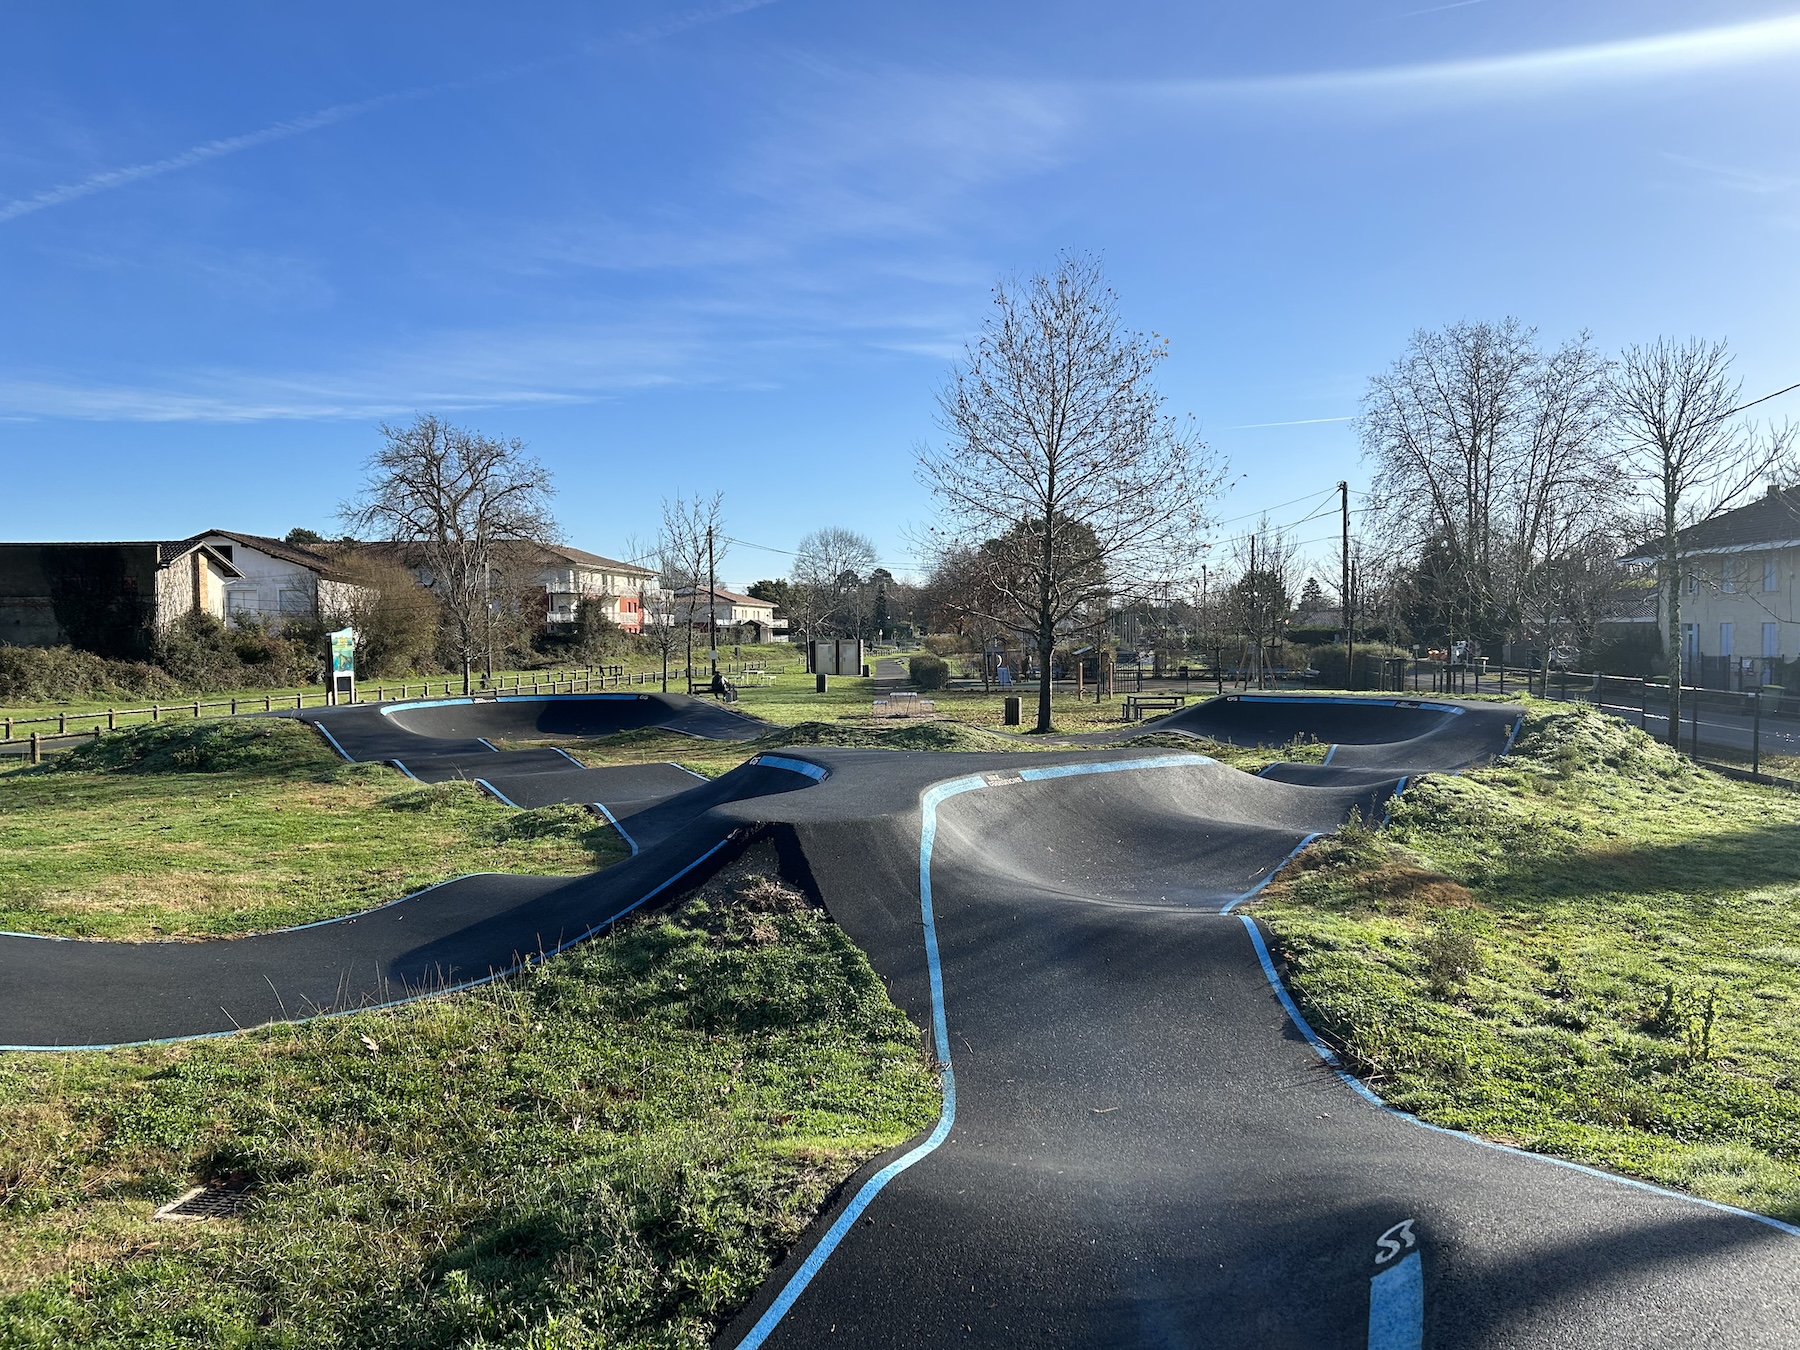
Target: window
(1693, 583)
(1728, 581)
(1725, 639)
(1771, 640)
(1769, 583)
(1690, 641)
(295, 602)
(241, 601)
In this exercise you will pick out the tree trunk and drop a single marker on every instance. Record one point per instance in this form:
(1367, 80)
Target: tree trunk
(1672, 570)
(468, 665)
(1046, 647)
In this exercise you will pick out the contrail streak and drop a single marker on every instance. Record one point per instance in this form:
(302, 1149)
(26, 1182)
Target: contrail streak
(109, 179)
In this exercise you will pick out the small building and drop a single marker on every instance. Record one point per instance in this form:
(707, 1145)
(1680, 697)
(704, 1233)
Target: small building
(1740, 584)
(753, 619)
(278, 581)
(109, 598)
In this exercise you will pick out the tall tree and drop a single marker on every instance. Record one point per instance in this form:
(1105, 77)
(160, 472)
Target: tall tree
(829, 569)
(1674, 404)
(455, 497)
(1495, 453)
(689, 551)
(1063, 479)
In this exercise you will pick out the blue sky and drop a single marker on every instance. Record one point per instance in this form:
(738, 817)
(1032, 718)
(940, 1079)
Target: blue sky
(689, 246)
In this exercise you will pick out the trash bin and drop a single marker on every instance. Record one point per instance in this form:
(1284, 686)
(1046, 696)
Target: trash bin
(819, 682)
(1014, 710)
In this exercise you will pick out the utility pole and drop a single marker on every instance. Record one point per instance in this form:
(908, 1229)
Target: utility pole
(712, 604)
(1344, 590)
(1255, 614)
(1205, 618)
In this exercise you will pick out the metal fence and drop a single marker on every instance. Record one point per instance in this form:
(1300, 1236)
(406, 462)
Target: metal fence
(1742, 731)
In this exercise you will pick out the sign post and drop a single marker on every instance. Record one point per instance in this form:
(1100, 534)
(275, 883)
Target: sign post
(341, 682)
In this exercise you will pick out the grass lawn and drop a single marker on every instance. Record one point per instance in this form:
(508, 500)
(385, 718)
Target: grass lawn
(222, 827)
(1591, 949)
(609, 1151)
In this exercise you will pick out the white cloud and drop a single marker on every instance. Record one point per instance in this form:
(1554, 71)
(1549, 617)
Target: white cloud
(1632, 59)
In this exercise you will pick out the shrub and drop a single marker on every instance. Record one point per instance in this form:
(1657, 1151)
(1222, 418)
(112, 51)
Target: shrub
(63, 674)
(945, 644)
(928, 672)
(202, 654)
(1451, 956)
(1331, 663)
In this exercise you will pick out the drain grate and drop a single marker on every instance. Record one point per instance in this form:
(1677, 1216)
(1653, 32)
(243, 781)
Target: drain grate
(208, 1202)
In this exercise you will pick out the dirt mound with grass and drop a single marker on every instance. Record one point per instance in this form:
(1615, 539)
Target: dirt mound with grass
(201, 747)
(1566, 739)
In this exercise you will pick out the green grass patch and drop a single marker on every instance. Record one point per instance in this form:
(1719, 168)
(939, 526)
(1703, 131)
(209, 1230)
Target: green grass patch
(612, 1150)
(208, 829)
(1590, 949)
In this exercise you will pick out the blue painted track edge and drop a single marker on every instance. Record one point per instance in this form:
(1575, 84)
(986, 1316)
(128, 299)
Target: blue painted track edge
(1368, 1094)
(940, 1028)
(334, 745)
(389, 709)
(488, 787)
(1353, 702)
(613, 820)
(1274, 871)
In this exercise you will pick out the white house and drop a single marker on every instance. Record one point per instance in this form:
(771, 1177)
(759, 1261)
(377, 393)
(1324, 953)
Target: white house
(276, 580)
(729, 610)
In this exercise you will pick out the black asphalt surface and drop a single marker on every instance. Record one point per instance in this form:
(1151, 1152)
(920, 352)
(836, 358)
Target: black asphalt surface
(1140, 1145)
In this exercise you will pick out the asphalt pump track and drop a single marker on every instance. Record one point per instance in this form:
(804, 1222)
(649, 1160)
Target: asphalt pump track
(1141, 1143)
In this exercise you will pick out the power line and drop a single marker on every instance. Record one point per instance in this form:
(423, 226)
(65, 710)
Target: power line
(1278, 505)
(765, 548)
(1753, 402)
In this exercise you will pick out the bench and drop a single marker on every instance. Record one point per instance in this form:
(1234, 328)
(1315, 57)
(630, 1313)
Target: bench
(1136, 705)
(704, 689)
(903, 705)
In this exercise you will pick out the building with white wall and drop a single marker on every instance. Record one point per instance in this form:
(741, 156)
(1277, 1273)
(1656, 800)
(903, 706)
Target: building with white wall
(278, 581)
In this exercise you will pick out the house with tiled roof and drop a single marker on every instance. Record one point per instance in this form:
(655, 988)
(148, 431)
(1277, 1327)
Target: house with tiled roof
(728, 611)
(567, 575)
(278, 581)
(571, 575)
(1740, 592)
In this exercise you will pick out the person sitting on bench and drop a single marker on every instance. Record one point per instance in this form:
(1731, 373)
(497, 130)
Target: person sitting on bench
(723, 688)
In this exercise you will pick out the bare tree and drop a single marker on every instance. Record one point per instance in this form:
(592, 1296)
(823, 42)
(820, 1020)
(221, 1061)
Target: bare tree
(656, 621)
(1261, 599)
(1674, 403)
(829, 571)
(689, 550)
(453, 496)
(1496, 453)
(1064, 480)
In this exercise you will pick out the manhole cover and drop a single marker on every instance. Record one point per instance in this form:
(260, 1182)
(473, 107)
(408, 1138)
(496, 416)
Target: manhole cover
(207, 1202)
